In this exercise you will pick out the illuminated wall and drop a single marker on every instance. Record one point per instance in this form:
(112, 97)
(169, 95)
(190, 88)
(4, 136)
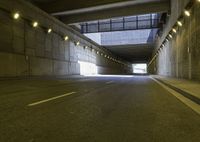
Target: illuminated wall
(178, 49)
(34, 43)
(87, 68)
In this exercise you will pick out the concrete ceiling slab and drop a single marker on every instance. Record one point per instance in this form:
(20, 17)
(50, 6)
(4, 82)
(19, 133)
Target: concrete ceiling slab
(53, 6)
(140, 53)
(75, 11)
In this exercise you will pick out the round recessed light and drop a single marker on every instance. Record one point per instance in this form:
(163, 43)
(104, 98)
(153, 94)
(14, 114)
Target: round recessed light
(187, 13)
(35, 24)
(66, 38)
(16, 15)
(49, 30)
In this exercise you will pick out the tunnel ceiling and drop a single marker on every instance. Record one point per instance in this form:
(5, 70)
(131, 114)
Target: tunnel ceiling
(66, 5)
(140, 53)
(79, 11)
(76, 11)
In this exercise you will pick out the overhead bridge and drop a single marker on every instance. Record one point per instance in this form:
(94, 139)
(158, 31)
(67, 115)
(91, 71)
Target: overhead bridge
(147, 21)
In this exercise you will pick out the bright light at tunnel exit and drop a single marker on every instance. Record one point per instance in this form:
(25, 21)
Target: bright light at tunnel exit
(140, 68)
(87, 68)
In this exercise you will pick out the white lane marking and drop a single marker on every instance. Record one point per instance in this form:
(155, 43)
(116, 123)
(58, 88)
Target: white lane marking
(183, 99)
(50, 99)
(109, 82)
(82, 80)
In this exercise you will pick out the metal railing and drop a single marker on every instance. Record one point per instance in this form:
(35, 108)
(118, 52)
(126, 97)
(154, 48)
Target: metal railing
(149, 21)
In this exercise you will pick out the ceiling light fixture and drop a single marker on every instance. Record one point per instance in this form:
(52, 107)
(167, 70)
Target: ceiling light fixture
(49, 30)
(35, 24)
(187, 13)
(66, 38)
(170, 36)
(174, 30)
(180, 23)
(16, 15)
(77, 43)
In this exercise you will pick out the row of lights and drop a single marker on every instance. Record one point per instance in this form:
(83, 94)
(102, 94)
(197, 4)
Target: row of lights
(99, 53)
(179, 23)
(108, 57)
(35, 24)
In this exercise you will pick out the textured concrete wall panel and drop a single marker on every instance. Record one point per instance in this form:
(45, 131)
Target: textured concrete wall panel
(13, 65)
(181, 56)
(41, 66)
(25, 50)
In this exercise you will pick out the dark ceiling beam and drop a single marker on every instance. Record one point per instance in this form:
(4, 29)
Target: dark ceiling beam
(138, 9)
(54, 6)
(140, 53)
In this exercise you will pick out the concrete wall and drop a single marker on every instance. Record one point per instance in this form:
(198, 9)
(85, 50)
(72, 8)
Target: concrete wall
(181, 56)
(127, 37)
(28, 51)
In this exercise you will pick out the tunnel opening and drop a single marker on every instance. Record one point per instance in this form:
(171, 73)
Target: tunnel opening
(87, 68)
(140, 68)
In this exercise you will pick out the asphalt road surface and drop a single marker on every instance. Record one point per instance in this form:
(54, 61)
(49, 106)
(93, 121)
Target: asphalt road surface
(94, 109)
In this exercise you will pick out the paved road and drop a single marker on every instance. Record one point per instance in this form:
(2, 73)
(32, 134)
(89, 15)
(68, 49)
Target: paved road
(100, 109)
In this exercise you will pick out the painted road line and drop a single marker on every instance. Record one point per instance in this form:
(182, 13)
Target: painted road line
(51, 99)
(87, 79)
(109, 82)
(194, 106)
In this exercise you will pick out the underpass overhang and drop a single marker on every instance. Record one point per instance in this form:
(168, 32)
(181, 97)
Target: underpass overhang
(131, 10)
(140, 53)
(74, 12)
(81, 11)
